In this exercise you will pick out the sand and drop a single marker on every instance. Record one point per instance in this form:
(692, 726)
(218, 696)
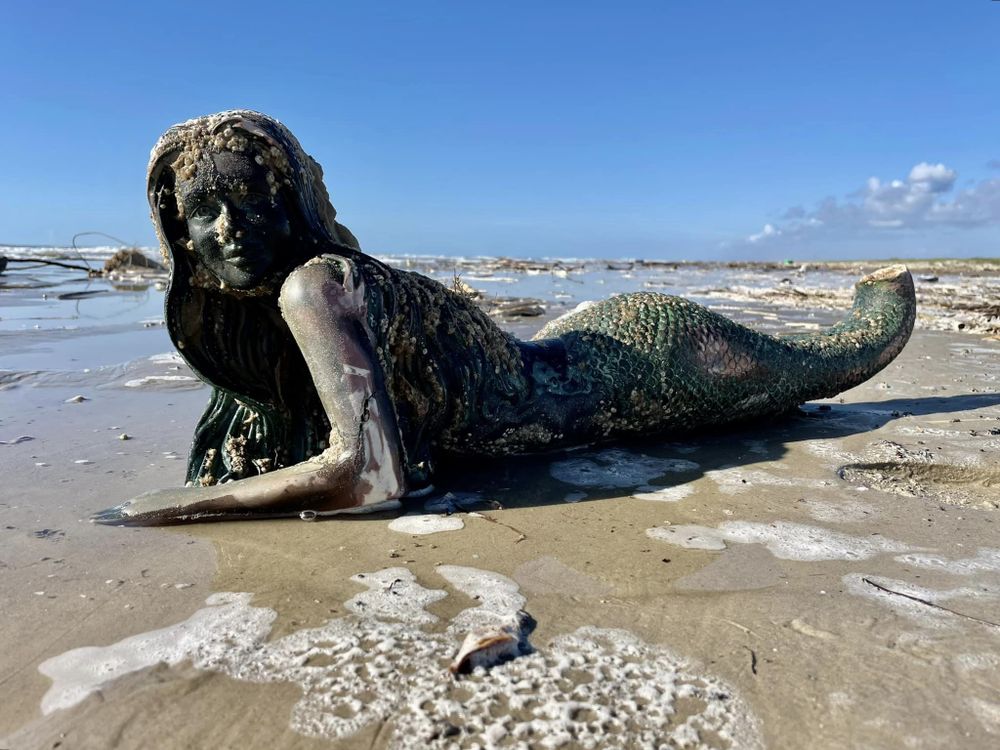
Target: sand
(830, 580)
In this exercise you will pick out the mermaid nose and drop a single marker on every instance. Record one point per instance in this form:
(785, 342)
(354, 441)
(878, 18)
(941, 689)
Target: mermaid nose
(224, 227)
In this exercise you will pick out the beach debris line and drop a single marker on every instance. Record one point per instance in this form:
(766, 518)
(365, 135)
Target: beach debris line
(517, 307)
(129, 260)
(5, 259)
(894, 468)
(504, 307)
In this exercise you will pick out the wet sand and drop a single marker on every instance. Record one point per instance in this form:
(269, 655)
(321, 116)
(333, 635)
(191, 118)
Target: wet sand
(827, 580)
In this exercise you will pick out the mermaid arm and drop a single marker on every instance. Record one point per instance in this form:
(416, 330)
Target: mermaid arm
(362, 467)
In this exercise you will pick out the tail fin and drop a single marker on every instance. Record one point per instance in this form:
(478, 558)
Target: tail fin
(876, 330)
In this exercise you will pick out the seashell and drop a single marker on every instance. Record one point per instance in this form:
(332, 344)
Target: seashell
(486, 647)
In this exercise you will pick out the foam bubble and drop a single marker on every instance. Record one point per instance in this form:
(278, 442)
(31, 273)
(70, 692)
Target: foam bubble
(971, 663)
(734, 480)
(499, 597)
(831, 451)
(986, 561)
(688, 536)
(426, 523)
(393, 594)
(615, 468)
(988, 713)
(922, 430)
(784, 539)
(82, 671)
(843, 510)
(904, 600)
(664, 494)
(152, 380)
(590, 688)
(167, 358)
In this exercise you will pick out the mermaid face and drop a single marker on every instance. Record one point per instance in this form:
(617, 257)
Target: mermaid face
(237, 221)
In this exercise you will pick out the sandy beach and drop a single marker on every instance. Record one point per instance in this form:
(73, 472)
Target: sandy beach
(826, 580)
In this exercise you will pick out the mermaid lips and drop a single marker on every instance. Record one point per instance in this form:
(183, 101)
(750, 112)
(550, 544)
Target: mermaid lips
(243, 256)
(236, 252)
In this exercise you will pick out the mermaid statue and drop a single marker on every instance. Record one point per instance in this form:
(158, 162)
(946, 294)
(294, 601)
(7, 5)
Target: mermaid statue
(339, 383)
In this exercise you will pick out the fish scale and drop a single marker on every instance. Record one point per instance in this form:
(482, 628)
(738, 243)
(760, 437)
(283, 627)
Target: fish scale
(667, 363)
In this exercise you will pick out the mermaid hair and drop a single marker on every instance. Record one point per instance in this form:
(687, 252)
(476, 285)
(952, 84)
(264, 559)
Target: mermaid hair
(259, 416)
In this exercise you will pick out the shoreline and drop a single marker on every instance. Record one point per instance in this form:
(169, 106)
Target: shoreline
(971, 266)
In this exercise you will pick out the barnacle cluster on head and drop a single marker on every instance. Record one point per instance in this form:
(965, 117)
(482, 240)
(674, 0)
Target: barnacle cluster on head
(199, 139)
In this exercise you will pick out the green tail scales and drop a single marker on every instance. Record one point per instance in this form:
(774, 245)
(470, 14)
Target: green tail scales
(876, 330)
(658, 363)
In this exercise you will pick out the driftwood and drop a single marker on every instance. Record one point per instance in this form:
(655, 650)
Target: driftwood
(4, 260)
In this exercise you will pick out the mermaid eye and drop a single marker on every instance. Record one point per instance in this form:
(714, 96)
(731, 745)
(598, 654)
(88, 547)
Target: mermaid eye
(205, 211)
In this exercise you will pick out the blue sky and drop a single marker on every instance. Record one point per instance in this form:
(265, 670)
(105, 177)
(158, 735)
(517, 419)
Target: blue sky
(660, 129)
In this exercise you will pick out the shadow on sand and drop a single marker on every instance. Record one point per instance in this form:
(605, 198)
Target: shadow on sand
(622, 468)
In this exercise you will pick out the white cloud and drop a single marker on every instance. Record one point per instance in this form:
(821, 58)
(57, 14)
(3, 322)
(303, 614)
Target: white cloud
(923, 199)
(935, 178)
(768, 231)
